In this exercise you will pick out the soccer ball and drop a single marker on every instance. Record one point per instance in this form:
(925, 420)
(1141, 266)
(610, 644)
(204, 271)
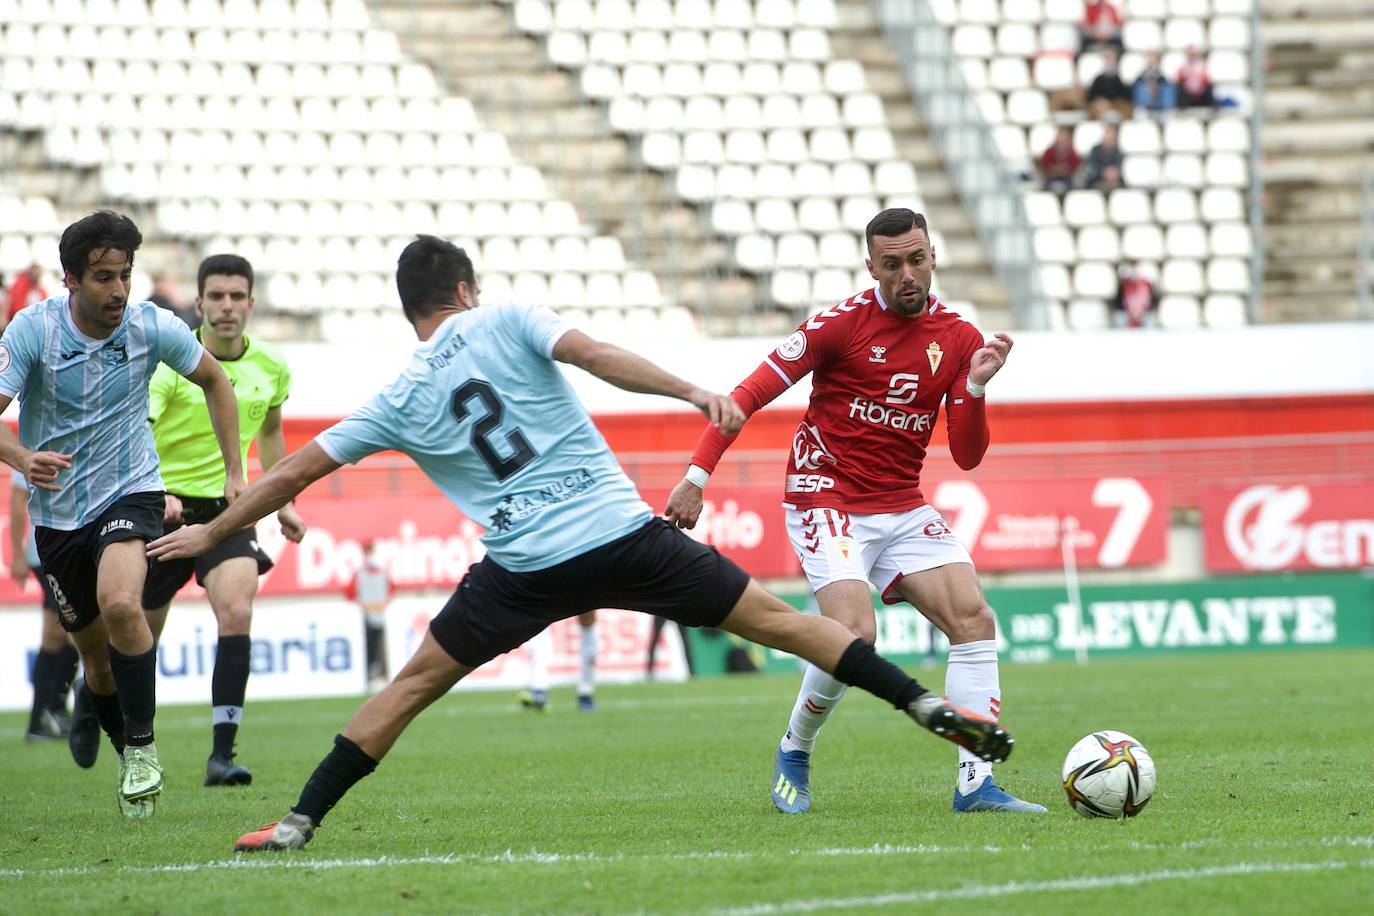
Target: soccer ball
(1109, 774)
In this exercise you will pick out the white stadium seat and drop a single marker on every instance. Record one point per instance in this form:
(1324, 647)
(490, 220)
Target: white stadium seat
(1099, 243)
(1084, 207)
(1183, 277)
(1094, 279)
(1143, 241)
(1224, 311)
(1228, 275)
(1179, 312)
(1088, 315)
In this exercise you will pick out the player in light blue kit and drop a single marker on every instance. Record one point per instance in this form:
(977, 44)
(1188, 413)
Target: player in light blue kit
(486, 413)
(80, 364)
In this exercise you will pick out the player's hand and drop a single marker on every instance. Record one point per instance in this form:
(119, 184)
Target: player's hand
(292, 525)
(42, 467)
(233, 488)
(988, 359)
(184, 543)
(19, 567)
(171, 510)
(720, 409)
(684, 504)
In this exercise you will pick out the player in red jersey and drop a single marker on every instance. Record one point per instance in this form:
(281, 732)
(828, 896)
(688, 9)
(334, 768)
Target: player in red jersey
(881, 362)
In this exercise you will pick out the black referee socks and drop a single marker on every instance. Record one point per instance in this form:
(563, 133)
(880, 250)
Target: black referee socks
(861, 666)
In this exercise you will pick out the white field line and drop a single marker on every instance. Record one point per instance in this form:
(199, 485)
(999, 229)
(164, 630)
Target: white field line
(534, 857)
(983, 891)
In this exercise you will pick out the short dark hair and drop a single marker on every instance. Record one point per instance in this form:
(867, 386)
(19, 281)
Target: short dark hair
(894, 221)
(426, 274)
(229, 265)
(101, 231)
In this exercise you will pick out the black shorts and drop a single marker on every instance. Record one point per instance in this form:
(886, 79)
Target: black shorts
(70, 559)
(656, 569)
(49, 599)
(165, 578)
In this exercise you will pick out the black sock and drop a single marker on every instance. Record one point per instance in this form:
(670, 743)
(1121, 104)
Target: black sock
(227, 688)
(44, 669)
(338, 771)
(110, 716)
(376, 665)
(64, 675)
(861, 666)
(136, 681)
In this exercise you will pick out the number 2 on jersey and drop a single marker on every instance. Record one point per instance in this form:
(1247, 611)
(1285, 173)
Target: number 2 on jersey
(482, 430)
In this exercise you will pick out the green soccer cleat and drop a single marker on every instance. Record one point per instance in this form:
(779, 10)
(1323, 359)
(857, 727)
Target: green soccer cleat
(140, 781)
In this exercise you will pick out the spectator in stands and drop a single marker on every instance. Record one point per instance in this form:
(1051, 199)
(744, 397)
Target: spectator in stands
(1152, 90)
(1195, 83)
(1108, 93)
(1136, 299)
(1060, 162)
(165, 296)
(1103, 169)
(27, 289)
(1101, 27)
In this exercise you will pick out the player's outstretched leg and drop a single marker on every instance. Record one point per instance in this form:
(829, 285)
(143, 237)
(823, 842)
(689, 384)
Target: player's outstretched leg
(366, 739)
(765, 619)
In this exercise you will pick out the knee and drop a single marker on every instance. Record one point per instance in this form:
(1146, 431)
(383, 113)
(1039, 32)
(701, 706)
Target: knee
(121, 607)
(235, 618)
(972, 622)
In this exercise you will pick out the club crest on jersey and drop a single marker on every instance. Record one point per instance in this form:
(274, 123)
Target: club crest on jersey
(934, 354)
(877, 356)
(793, 347)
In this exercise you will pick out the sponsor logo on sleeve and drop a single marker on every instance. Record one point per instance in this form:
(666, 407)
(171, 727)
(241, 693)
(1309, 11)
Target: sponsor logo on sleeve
(5, 358)
(793, 347)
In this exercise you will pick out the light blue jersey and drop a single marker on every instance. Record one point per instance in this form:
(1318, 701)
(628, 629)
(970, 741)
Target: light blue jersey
(88, 398)
(487, 415)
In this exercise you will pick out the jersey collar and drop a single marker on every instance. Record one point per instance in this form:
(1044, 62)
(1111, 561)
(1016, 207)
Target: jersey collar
(224, 359)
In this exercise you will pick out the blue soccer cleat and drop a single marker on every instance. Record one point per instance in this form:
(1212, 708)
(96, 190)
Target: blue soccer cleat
(792, 782)
(990, 797)
(585, 702)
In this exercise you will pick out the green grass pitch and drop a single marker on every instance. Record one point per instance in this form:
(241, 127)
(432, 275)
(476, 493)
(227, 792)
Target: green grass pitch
(658, 802)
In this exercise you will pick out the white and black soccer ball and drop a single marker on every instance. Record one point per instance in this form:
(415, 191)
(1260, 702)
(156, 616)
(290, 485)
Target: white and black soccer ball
(1109, 774)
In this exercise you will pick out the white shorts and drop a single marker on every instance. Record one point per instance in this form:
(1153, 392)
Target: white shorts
(880, 548)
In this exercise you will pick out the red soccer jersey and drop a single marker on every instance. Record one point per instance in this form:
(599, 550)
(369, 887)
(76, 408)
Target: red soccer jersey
(878, 380)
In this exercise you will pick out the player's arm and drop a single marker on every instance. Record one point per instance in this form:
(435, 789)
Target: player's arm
(633, 372)
(39, 468)
(761, 387)
(19, 529)
(966, 416)
(271, 449)
(224, 418)
(268, 493)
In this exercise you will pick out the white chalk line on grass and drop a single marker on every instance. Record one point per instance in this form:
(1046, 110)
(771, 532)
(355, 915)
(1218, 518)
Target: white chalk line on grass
(297, 861)
(1098, 882)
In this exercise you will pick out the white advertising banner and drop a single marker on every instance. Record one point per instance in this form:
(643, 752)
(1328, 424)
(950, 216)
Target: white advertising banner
(301, 648)
(622, 648)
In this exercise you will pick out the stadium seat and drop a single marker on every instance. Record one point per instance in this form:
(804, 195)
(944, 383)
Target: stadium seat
(1183, 277)
(1042, 209)
(1175, 205)
(1055, 245)
(1231, 240)
(1224, 311)
(1099, 243)
(791, 288)
(1179, 312)
(1143, 241)
(1140, 171)
(1088, 315)
(1084, 207)
(1052, 72)
(1094, 279)
(1054, 280)
(1228, 275)
(1186, 240)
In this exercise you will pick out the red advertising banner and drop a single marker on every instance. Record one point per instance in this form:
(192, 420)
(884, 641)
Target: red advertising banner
(427, 543)
(1112, 522)
(1271, 527)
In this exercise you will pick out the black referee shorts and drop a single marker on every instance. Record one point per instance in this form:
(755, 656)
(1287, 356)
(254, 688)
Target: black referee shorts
(656, 569)
(166, 577)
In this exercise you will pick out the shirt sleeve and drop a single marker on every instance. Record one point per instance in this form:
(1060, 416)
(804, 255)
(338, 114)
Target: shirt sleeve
(809, 347)
(966, 416)
(540, 327)
(19, 481)
(176, 343)
(283, 384)
(18, 354)
(160, 391)
(365, 431)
